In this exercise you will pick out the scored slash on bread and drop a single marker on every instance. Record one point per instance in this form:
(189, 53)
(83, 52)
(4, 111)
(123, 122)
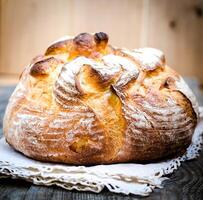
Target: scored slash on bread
(86, 102)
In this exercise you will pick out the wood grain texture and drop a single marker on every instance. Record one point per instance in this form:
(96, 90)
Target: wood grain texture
(27, 27)
(121, 20)
(176, 27)
(185, 183)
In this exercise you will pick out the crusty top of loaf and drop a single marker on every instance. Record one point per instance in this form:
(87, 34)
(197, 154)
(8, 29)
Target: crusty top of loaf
(70, 60)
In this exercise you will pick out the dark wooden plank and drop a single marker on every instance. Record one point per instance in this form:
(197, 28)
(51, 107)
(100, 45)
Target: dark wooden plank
(13, 189)
(185, 183)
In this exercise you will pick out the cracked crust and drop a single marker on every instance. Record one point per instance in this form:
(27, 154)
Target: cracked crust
(85, 102)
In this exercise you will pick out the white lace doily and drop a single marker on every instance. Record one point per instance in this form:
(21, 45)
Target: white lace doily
(139, 179)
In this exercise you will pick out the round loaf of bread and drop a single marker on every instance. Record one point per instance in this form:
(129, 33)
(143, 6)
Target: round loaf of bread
(86, 102)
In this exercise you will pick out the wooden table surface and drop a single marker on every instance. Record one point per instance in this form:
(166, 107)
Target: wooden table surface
(185, 183)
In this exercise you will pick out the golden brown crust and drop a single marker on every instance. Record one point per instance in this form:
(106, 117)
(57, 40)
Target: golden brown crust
(59, 47)
(85, 102)
(44, 67)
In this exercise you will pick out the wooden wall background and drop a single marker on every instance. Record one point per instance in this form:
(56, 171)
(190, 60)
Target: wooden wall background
(175, 26)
